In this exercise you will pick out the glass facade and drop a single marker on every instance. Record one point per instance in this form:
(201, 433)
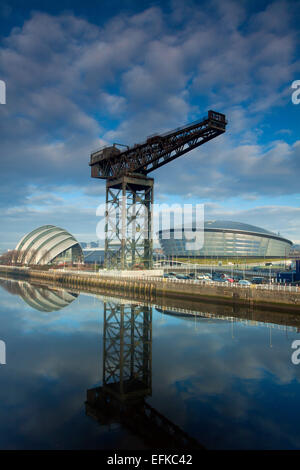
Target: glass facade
(226, 242)
(72, 255)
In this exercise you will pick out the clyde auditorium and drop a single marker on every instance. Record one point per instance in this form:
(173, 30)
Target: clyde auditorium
(49, 245)
(226, 239)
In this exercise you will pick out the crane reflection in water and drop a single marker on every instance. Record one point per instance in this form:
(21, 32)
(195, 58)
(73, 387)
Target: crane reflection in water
(127, 365)
(127, 379)
(123, 396)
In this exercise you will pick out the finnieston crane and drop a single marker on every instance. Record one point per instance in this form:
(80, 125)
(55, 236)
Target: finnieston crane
(129, 191)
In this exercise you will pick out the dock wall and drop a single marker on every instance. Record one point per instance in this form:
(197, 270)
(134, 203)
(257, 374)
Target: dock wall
(152, 289)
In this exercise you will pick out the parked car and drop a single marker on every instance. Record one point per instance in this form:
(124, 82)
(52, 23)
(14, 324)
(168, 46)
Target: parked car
(192, 276)
(258, 280)
(244, 282)
(182, 276)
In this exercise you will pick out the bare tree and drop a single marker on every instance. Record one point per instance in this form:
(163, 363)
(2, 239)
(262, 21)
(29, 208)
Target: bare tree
(10, 258)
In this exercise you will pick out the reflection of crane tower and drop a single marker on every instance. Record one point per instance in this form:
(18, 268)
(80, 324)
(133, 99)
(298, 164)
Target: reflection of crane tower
(129, 192)
(127, 375)
(127, 354)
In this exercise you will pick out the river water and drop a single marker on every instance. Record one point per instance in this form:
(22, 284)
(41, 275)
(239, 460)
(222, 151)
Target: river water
(227, 383)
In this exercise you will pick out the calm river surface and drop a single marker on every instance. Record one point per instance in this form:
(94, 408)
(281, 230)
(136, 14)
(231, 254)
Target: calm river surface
(228, 384)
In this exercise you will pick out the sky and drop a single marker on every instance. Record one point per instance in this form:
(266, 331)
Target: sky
(80, 75)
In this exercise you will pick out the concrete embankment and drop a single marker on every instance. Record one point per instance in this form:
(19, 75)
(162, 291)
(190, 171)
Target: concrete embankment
(154, 289)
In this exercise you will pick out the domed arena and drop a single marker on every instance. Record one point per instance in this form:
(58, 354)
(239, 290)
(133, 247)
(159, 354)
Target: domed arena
(224, 238)
(48, 245)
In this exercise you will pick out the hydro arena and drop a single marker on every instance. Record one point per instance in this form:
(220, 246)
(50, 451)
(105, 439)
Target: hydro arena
(223, 238)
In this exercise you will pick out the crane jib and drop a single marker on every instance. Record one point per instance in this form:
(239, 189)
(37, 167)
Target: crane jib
(159, 149)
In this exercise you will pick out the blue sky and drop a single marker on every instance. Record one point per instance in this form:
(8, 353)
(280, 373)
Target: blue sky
(83, 74)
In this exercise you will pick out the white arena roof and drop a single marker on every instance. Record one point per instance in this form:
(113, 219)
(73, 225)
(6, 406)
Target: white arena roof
(44, 244)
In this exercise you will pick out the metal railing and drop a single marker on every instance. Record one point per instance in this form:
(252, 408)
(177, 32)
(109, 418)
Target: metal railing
(273, 287)
(232, 285)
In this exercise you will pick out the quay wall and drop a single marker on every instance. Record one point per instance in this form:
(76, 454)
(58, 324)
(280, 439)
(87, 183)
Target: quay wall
(153, 289)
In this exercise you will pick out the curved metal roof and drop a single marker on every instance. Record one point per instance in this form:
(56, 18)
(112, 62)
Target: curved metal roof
(229, 225)
(44, 244)
(240, 226)
(39, 297)
(44, 299)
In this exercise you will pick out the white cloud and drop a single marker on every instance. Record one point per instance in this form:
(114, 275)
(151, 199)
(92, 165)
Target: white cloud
(73, 86)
